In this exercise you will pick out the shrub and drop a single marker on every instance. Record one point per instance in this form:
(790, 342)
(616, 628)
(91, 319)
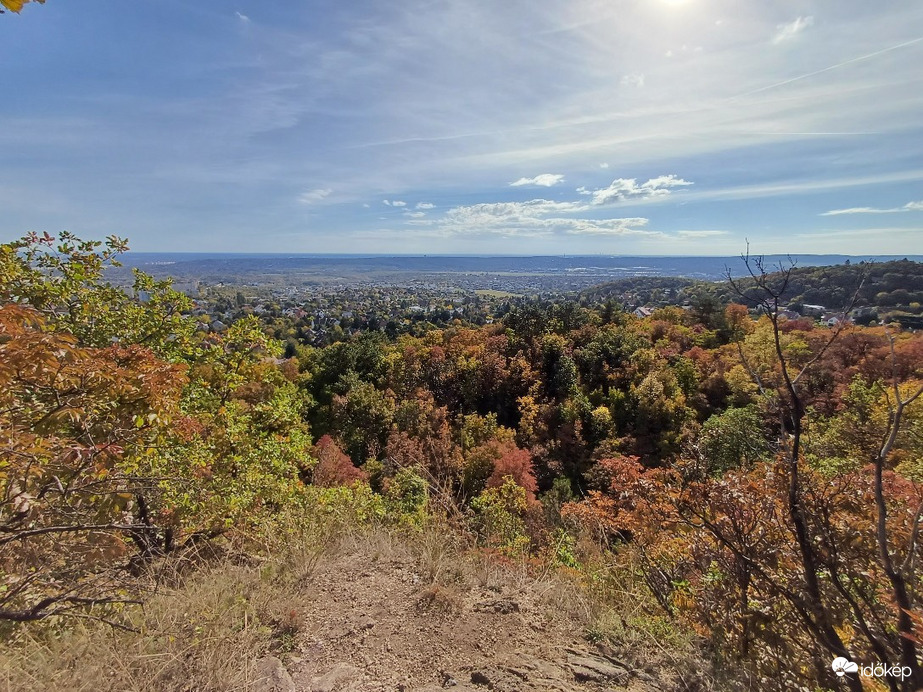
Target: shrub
(333, 466)
(406, 496)
(499, 517)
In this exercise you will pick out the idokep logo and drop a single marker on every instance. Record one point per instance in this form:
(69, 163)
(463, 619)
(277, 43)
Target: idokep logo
(841, 666)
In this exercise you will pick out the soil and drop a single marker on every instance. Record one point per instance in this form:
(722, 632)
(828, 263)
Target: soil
(375, 623)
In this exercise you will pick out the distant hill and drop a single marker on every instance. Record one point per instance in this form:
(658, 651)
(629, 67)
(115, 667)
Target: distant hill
(883, 284)
(892, 285)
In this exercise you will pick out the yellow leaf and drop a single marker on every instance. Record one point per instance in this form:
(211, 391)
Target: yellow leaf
(13, 5)
(16, 5)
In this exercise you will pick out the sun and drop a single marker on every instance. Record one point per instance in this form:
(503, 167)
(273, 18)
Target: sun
(675, 3)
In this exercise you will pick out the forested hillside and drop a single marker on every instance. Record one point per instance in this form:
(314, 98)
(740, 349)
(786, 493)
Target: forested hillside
(881, 284)
(896, 285)
(761, 476)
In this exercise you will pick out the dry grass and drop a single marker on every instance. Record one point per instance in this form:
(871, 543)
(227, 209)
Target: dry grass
(207, 624)
(439, 548)
(621, 613)
(376, 543)
(205, 635)
(204, 625)
(441, 599)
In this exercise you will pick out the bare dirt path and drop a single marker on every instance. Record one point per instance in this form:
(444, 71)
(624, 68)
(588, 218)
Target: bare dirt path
(373, 624)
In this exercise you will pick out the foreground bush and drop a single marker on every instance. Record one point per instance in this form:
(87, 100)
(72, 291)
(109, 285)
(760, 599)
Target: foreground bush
(125, 435)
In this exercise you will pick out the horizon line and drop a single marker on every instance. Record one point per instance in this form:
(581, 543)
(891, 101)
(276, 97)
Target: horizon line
(559, 256)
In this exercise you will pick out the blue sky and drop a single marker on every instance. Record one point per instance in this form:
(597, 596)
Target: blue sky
(467, 126)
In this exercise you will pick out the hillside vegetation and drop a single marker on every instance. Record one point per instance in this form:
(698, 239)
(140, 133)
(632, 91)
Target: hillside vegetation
(889, 286)
(719, 484)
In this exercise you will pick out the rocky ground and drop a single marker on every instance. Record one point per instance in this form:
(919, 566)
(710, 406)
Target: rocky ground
(376, 623)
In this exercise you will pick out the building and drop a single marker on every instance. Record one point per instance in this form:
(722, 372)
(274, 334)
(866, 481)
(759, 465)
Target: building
(813, 310)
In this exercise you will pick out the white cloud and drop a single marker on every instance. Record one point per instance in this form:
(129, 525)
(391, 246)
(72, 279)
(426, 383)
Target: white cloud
(456, 125)
(314, 196)
(242, 17)
(536, 217)
(604, 165)
(700, 234)
(804, 186)
(543, 180)
(549, 219)
(910, 206)
(626, 226)
(633, 80)
(543, 218)
(857, 210)
(793, 28)
(628, 188)
(875, 235)
(532, 209)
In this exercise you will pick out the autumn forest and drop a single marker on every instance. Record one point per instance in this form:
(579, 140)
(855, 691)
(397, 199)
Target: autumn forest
(761, 474)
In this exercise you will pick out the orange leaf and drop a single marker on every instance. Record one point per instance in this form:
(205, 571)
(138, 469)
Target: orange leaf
(17, 5)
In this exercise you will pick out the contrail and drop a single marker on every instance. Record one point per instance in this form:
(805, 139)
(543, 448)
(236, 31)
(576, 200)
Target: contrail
(832, 67)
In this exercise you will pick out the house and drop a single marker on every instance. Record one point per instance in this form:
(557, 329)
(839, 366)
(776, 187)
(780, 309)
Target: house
(813, 310)
(643, 312)
(834, 318)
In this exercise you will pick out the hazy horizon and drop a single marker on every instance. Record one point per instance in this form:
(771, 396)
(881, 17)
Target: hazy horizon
(913, 257)
(360, 267)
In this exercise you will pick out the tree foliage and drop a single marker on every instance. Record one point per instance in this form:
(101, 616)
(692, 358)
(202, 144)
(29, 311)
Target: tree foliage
(126, 434)
(788, 562)
(768, 471)
(16, 5)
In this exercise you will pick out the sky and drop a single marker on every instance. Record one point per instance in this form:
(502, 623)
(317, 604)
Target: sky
(619, 127)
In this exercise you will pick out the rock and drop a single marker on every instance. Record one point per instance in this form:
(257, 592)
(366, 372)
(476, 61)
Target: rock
(504, 606)
(335, 678)
(480, 677)
(521, 674)
(608, 653)
(364, 623)
(590, 668)
(448, 678)
(271, 676)
(542, 670)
